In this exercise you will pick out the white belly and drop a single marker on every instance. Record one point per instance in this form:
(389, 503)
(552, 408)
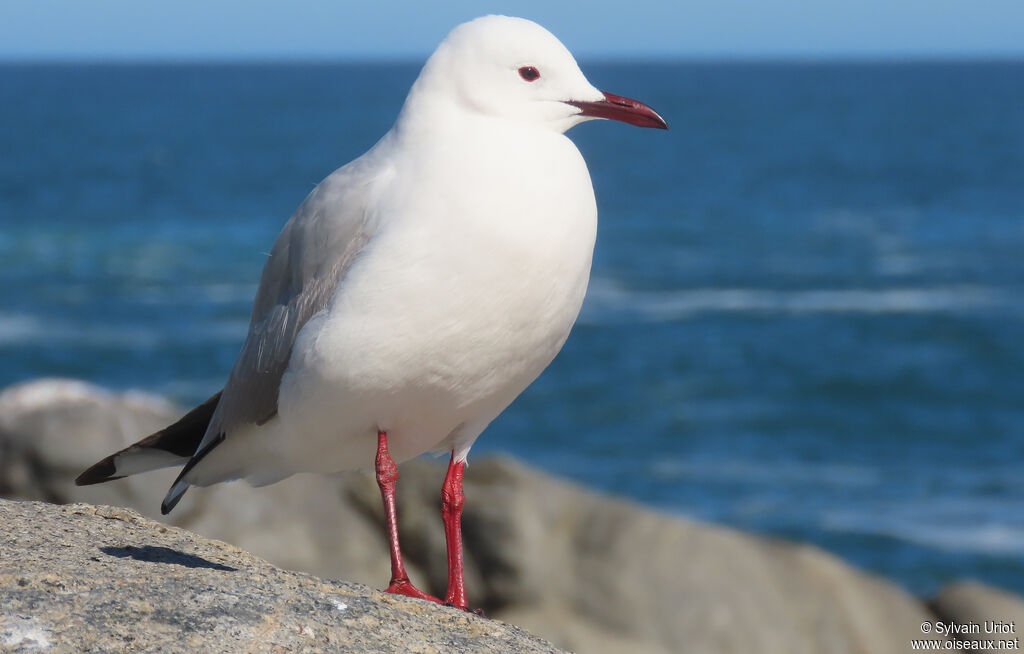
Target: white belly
(442, 324)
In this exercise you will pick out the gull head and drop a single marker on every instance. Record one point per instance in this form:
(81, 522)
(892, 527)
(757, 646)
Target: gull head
(514, 69)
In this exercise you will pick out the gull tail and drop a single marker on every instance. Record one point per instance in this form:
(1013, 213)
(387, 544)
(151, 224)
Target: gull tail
(171, 446)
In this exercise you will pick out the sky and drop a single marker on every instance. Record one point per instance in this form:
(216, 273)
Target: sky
(596, 29)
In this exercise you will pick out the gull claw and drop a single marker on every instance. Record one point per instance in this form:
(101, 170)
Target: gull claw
(479, 612)
(407, 589)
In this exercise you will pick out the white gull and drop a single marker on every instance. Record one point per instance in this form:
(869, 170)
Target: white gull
(417, 290)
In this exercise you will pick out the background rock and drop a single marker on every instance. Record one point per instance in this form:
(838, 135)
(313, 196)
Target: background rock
(80, 578)
(588, 572)
(969, 602)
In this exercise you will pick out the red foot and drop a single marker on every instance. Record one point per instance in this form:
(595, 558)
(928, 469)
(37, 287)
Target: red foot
(406, 588)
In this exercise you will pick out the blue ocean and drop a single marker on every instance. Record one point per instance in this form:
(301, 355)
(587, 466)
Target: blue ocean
(806, 316)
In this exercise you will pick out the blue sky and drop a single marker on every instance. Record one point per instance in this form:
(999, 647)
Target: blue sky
(408, 29)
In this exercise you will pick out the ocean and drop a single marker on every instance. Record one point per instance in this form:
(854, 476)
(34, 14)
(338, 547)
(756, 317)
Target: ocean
(807, 305)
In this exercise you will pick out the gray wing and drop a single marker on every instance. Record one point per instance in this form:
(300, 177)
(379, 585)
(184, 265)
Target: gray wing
(310, 257)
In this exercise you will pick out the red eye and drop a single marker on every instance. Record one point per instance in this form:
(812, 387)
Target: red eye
(529, 73)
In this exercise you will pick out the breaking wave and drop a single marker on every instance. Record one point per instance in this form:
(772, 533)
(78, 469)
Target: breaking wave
(608, 299)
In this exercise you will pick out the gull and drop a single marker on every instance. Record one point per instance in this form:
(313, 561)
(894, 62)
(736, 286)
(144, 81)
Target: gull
(417, 290)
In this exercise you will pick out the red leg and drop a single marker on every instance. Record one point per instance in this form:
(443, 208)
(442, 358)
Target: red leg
(387, 476)
(452, 499)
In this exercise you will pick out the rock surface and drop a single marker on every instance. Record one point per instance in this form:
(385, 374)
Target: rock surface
(587, 572)
(81, 578)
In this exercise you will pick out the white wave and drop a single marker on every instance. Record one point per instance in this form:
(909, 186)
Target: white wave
(607, 297)
(752, 472)
(223, 331)
(157, 294)
(938, 526)
(26, 329)
(17, 328)
(225, 293)
(30, 330)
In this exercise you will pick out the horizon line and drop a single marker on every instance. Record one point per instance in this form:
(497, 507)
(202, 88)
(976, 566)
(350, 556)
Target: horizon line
(716, 58)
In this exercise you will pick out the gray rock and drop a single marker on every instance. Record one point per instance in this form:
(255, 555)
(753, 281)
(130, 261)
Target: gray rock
(49, 427)
(999, 615)
(83, 578)
(588, 572)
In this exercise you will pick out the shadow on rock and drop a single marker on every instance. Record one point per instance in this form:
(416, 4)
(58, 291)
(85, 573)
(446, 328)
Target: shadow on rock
(151, 554)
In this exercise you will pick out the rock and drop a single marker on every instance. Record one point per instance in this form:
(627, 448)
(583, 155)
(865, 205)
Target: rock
(81, 578)
(49, 427)
(999, 615)
(587, 572)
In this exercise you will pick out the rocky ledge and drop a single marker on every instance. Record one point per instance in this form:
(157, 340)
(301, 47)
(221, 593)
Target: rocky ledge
(83, 578)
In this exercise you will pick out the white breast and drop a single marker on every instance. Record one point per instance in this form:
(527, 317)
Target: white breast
(455, 307)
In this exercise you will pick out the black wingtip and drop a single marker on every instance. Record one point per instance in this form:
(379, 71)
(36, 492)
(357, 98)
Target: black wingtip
(98, 473)
(180, 439)
(173, 495)
(179, 486)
